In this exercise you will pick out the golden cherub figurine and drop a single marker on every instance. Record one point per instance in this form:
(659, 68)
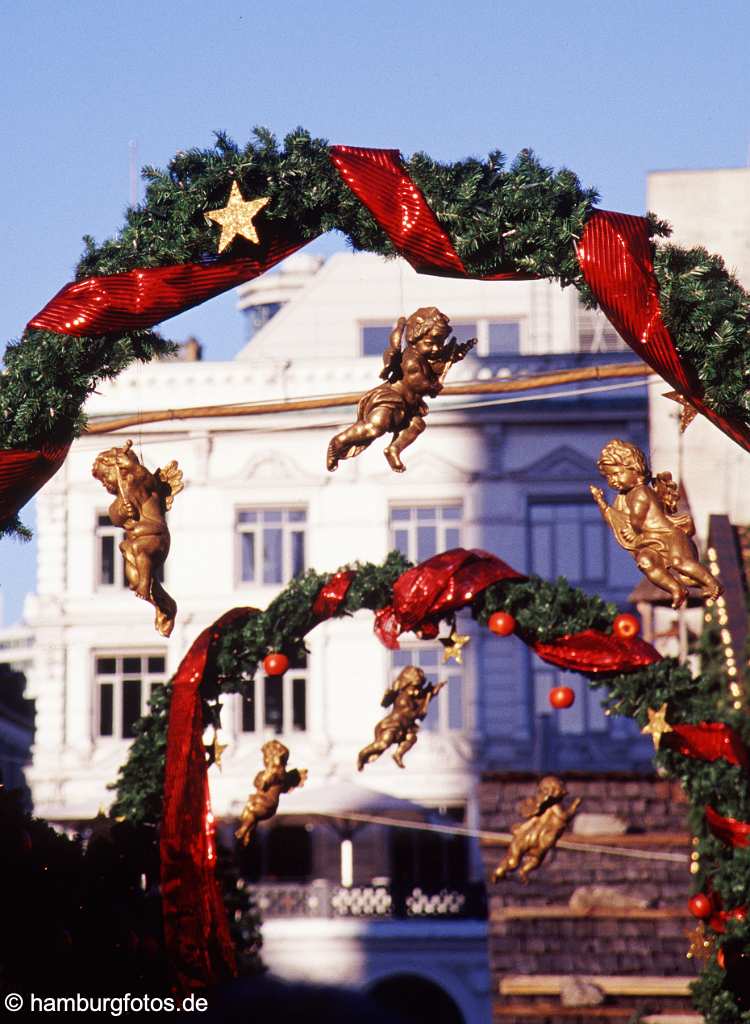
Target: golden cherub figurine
(410, 694)
(269, 785)
(645, 521)
(143, 499)
(533, 839)
(410, 375)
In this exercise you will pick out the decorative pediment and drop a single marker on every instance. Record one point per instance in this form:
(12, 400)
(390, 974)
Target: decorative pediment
(274, 468)
(422, 467)
(564, 463)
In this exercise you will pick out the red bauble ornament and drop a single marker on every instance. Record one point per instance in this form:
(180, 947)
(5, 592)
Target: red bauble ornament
(701, 905)
(562, 697)
(738, 914)
(275, 664)
(501, 623)
(626, 626)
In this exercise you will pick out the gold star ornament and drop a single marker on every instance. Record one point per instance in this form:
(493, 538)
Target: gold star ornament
(688, 412)
(453, 646)
(702, 944)
(657, 725)
(236, 218)
(215, 750)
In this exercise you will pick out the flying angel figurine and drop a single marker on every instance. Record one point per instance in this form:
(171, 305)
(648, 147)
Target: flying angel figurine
(645, 521)
(532, 839)
(143, 499)
(410, 374)
(409, 695)
(269, 785)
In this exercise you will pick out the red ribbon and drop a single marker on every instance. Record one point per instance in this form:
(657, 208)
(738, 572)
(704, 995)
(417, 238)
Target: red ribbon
(615, 255)
(332, 594)
(141, 298)
(729, 830)
(378, 179)
(708, 741)
(196, 932)
(444, 583)
(23, 473)
(593, 653)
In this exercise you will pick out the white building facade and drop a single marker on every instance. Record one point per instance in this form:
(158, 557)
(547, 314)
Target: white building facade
(711, 209)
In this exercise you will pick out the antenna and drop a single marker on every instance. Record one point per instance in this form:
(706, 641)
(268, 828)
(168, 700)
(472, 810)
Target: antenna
(133, 164)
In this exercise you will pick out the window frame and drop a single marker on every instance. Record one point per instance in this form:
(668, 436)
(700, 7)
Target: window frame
(412, 524)
(490, 323)
(595, 519)
(256, 529)
(102, 530)
(147, 679)
(440, 709)
(120, 582)
(361, 325)
(260, 682)
(604, 337)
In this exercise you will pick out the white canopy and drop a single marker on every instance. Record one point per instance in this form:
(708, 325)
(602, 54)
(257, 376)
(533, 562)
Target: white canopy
(340, 796)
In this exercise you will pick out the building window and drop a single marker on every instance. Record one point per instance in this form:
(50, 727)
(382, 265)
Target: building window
(123, 684)
(504, 338)
(585, 716)
(281, 853)
(446, 711)
(276, 704)
(568, 538)
(375, 338)
(271, 544)
(596, 333)
(258, 316)
(110, 565)
(429, 860)
(421, 532)
(464, 332)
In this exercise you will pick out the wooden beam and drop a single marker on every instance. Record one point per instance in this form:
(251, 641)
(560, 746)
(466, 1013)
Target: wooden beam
(474, 387)
(673, 1018)
(610, 984)
(628, 840)
(531, 1011)
(563, 911)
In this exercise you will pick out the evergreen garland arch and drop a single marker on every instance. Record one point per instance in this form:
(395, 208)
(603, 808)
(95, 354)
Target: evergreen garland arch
(546, 614)
(501, 220)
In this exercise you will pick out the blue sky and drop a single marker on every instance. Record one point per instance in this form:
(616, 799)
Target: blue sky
(609, 89)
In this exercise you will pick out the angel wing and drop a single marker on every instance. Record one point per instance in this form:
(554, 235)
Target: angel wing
(388, 697)
(171, 479)
(392, 356)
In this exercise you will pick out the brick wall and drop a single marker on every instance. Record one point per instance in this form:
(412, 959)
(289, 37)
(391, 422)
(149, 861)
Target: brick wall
(610, 942)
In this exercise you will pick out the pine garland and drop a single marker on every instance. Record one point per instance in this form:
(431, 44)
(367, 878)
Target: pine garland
(524, 217)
